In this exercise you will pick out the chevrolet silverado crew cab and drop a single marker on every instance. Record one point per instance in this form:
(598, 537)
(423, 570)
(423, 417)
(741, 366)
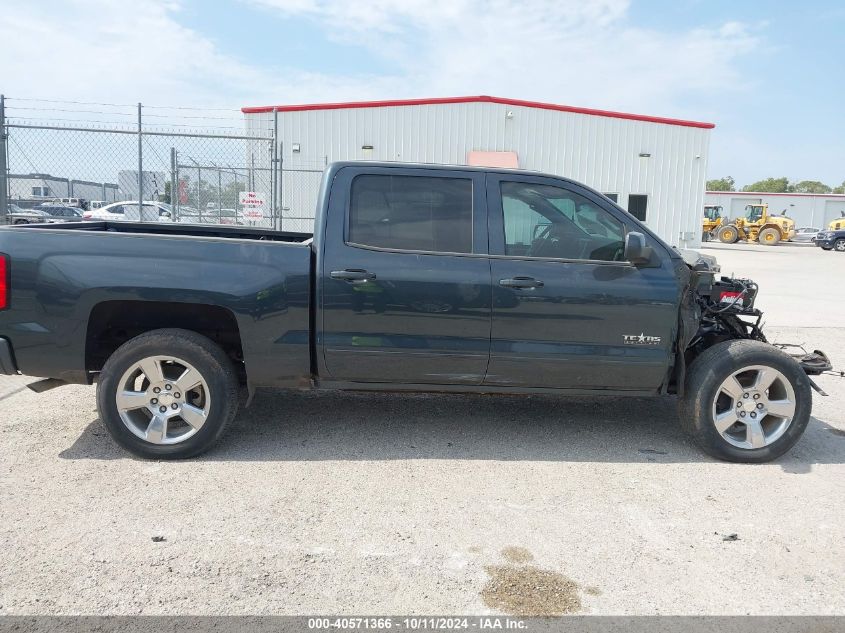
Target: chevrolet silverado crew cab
(416, 278)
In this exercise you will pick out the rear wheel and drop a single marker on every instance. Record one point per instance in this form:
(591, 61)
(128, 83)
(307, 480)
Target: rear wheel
(769, 237)
(167, 394)
(839, 245)
(728, 234)
(745, 401)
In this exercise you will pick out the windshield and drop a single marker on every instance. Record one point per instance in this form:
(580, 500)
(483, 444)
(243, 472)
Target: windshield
(753, 213)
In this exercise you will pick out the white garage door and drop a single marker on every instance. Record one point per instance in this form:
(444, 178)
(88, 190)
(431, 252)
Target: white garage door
(738, 206)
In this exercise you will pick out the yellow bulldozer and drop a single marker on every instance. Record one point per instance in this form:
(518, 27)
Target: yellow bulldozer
(712, 220)
(838, 224)
(757, 225)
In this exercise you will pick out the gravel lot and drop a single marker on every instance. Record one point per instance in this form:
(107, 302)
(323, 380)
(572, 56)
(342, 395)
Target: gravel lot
(338, 503)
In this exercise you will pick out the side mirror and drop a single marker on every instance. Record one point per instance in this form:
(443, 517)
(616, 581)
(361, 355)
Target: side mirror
(636, 250)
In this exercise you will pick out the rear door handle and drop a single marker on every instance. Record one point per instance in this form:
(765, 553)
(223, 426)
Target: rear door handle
(521, 282)
(352, 275)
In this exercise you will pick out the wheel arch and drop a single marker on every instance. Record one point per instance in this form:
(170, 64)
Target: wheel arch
(113, 323)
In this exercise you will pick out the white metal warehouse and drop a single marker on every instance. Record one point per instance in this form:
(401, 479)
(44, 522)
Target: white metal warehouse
(653, 166)
(807, 209)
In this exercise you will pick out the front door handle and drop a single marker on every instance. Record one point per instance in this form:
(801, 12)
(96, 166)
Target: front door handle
(521, 282)
(353, 275)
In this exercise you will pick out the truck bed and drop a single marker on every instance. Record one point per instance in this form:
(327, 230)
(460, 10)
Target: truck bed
(176, 229)
(64, 279)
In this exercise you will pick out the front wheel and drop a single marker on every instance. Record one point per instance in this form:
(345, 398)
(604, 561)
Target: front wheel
(728, 234)
(167, 394)
(745, 401)
(839, 245)
(769, 237)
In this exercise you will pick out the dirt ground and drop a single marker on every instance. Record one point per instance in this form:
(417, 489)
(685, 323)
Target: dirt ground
(365, 504)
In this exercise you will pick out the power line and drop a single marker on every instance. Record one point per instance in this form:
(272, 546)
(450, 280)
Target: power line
(156, 116)
(28, 108)
(27, 118)
(123, 105)
(161, 107)
(115, 105)
(125, 124)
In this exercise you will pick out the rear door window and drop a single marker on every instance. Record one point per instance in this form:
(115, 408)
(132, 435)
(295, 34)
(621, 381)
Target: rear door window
(411, 213)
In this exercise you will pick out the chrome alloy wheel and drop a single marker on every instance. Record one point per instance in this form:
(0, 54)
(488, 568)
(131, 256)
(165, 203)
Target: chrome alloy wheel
(163, 400)
(754, 407)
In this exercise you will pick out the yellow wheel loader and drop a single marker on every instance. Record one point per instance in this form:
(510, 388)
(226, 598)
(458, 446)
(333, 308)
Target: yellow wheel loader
(712, 220)
(758, 225)
(838, 224)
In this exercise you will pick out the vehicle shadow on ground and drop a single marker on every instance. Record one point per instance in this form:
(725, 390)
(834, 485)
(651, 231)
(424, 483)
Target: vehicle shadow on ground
(315, 426)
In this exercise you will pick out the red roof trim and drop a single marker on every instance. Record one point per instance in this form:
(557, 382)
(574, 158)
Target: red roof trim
(766, 193)
(476, 99)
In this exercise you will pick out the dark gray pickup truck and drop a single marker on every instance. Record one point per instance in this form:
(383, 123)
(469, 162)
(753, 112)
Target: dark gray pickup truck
(417, 278)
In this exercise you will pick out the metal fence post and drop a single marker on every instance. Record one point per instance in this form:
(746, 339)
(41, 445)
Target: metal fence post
(219, 196)
(174, 195)
(140, 167)
(274, 185)
(4, 183)
(281, 183)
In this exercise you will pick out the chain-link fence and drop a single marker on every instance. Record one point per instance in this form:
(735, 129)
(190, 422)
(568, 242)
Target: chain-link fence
(148, 170)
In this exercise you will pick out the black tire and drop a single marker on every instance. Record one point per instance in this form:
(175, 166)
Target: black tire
(704, 380)
(769, 237)
(21, 222)
(205, 356)
(839, 245)
(728, 234)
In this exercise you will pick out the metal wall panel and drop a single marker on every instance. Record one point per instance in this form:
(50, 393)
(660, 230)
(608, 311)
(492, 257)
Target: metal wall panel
(602, 152)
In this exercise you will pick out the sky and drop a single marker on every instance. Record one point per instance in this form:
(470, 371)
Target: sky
(769, 74)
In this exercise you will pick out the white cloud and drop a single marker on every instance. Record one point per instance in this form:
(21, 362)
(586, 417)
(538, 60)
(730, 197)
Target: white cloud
(100, 50)
(570, 51)
(578, 52)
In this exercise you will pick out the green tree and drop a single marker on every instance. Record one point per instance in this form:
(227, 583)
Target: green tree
(811, 186)
(840, 188)
(770, 185)
(721, 184)
(232, 193)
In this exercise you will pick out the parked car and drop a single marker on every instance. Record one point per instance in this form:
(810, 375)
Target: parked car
(417, 278)
(61, 213)
(190, 215)
(11, 211)
(17, 215)
(805, 234)
(82, 203)
(831, 240)
(117, 211)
